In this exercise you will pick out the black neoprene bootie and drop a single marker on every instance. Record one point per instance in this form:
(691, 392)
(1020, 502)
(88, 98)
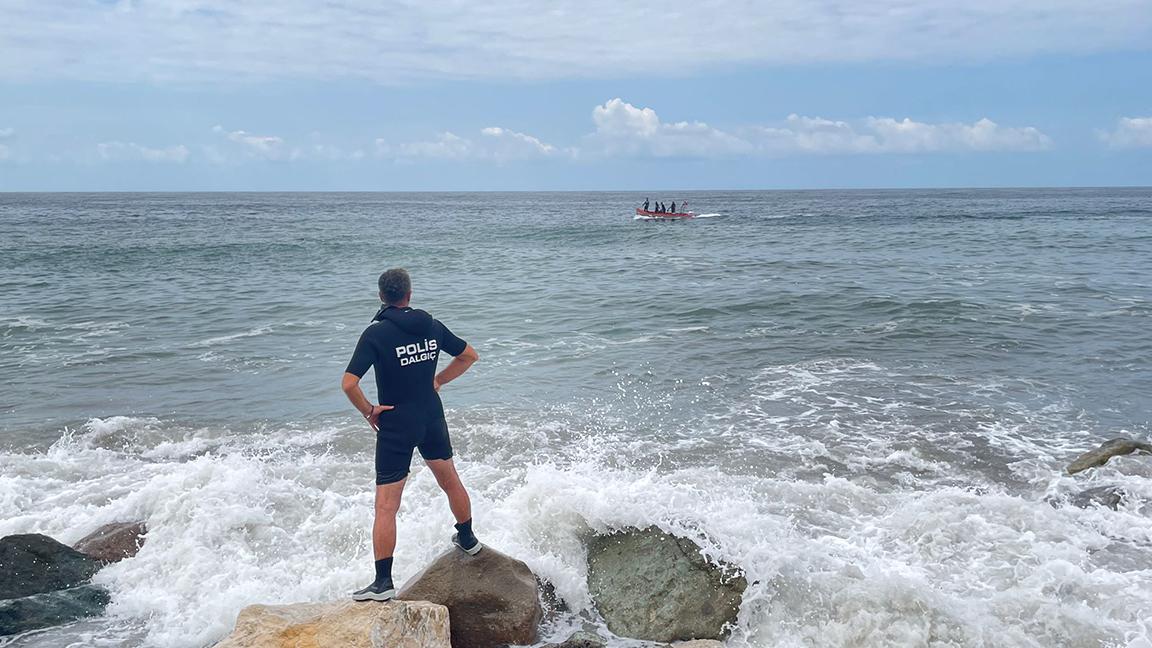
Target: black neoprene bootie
(381, 590)
(465, 539)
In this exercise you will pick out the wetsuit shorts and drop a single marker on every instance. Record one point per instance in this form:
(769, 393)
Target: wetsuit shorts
(407, 427)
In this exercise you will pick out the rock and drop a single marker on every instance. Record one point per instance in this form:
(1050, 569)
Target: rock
(1106, 451)
(343, 624)
(51, 608)
(33, 564)
(113, 542)
(492, 597)
(581, 639)
(551, 602)
(699, 643)
(654, 586)
(1106, 496)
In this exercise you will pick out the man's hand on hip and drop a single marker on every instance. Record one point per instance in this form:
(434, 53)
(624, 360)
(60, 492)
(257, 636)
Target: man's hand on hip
(374, 417)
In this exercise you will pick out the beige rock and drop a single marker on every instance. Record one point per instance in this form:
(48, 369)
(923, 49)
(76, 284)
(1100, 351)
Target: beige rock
(699, 643)
(343, 624)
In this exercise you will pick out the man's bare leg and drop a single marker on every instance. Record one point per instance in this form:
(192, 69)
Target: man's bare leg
(383, 543)
(449, 480)
(384, 526)
(458, 501)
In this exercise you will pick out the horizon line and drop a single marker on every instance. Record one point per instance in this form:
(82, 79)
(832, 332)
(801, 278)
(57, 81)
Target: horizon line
(526, 191)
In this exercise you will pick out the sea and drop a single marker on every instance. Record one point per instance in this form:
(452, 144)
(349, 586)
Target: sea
(866, 400)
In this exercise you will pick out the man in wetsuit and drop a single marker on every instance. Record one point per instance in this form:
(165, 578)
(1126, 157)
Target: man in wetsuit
(402, 345)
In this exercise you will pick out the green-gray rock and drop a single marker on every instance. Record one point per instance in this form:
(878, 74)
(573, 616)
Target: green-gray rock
(51, 609)
(32, 563)
(1106, 451)
(654, 586)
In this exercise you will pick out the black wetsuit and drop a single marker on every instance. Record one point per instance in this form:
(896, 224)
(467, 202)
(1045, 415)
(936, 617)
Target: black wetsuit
(403, 344)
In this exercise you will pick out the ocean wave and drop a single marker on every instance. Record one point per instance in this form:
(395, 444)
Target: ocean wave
(832, 561)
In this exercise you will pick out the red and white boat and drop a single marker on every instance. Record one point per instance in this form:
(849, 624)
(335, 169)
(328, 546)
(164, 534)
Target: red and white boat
(644, 213)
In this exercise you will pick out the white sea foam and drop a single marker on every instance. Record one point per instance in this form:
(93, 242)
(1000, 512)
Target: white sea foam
(222, 339)
(276, 516)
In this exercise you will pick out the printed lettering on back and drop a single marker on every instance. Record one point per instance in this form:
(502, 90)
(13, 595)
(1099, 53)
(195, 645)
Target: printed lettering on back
(417, 352)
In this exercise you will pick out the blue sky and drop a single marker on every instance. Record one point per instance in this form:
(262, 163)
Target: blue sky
(512, 94)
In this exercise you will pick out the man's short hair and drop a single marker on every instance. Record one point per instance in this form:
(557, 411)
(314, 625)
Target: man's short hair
(395, 284)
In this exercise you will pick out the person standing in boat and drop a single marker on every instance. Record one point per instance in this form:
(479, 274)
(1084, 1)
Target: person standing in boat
(673, 206)
(645, 204)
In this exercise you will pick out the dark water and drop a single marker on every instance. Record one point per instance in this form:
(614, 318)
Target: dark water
(862, 397)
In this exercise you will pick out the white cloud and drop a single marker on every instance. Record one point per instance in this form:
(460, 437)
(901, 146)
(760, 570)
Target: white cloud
(801, 134)
(132, 151)
(494, 144)
(506, 144)
(982, 135)
(622, 128)
(267, 147)
(446, 146)
(1130, 132)
(390, 40)
(7, 132)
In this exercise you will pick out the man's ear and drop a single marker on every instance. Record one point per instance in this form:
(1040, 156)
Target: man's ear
(381, 296)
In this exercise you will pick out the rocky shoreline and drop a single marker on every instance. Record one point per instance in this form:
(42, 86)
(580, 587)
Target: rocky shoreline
(44, 583)
(645, 584)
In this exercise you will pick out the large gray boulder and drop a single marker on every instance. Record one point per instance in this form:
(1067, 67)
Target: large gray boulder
(650, 585)
(341, 624)
(113, 542)
(1107, 450)
(491, 598)
(48, 609)
(33, 563)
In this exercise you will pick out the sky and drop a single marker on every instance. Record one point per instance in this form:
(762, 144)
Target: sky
(365, 95)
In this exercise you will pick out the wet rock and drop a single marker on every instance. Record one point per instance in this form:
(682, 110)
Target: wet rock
(113, 542)
(491, 597)
(344, 624)
(581, 639)
(699, 643)
(51, 608)
(1106, 451)
(551, 602)
(654, 586)
(1106, 496)
(34, 564)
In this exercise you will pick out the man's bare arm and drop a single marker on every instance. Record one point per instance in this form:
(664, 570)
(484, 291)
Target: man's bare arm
(457, 367)
(351, 386)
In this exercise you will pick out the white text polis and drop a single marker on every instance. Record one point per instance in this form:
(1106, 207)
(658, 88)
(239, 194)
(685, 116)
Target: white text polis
(417, 352)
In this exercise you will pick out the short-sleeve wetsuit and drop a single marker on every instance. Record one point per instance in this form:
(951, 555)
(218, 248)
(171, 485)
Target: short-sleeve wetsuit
(402, 345)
